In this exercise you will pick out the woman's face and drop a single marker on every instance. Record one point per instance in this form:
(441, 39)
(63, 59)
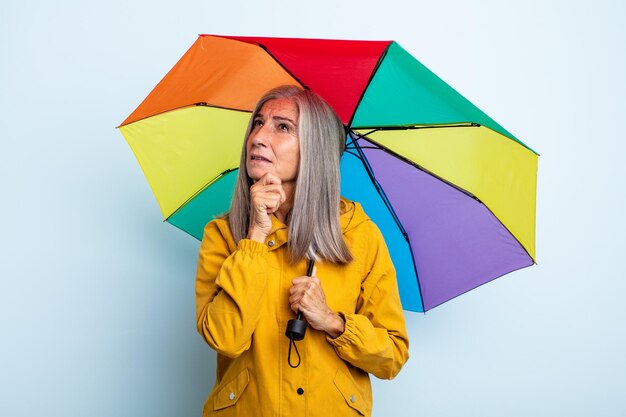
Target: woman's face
(273, 145)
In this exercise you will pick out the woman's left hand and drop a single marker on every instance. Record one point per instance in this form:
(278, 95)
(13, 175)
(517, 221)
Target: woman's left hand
(306, 295)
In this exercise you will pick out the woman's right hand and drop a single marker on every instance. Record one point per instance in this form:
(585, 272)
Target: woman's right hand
(266, 196)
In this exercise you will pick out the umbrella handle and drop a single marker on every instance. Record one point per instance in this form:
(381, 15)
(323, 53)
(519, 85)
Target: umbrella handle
(296, 328)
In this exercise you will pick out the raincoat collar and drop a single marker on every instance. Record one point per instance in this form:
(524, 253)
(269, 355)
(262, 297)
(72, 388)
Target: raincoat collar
(351, 214)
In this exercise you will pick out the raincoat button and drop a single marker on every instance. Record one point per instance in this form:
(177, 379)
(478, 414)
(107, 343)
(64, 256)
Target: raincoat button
(352, 399)
(232, 396)
(300, 391)
(270, 243)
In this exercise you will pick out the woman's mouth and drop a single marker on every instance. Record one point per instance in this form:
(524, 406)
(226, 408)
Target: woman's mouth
(259, 158)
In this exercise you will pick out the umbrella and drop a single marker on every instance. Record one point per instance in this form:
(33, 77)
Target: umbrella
(452, 191)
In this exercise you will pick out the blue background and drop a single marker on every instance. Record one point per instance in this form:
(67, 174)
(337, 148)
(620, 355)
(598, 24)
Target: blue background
(97, 294)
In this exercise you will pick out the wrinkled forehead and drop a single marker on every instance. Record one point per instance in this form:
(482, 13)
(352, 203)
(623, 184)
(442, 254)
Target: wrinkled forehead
(284, 108)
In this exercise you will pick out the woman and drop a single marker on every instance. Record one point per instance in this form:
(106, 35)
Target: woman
(251, 275)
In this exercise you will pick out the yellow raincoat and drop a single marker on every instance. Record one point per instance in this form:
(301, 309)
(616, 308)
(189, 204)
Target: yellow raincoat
(242, 292)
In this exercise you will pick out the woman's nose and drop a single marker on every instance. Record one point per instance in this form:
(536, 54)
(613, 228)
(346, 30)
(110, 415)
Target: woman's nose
(260, 137)
(258, 141)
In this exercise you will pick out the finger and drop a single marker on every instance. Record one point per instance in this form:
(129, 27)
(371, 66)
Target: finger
(300, 279)
(268, 202)
(297, 298)
(267, 186)
(299, 287)
(261, 201)
(267, 191)
(272, 203)
(283, 196)
(294, 298)
(271, 191)
(295, 289)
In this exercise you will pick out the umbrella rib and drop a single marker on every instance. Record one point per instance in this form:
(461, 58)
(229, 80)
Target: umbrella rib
(379, 189)
(437, 126)
(205, 104)
(417, 277)
(415, 127)
(380, 61)
(382, 194)
(380, 147)
(416, 165)
(201, 104)
(267, 51)
(207, 185)
(350, 145)
(352, 153)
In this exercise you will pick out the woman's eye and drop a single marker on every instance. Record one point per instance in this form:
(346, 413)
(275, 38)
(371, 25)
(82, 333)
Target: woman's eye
(257, 122)
(283, 127)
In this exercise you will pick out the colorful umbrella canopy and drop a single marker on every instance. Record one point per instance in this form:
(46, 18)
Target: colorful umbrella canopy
(452, 191)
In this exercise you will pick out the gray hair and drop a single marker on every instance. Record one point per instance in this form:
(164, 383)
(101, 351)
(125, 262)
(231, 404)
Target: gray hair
(313, 223)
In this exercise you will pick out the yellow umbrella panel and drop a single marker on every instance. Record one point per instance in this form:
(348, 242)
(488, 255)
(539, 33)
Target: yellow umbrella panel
(182, 151)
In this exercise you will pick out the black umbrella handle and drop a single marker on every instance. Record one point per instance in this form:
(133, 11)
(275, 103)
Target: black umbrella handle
(296, 328)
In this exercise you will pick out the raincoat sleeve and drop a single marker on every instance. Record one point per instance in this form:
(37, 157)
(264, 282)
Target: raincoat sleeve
(375, 337)
(230, 287)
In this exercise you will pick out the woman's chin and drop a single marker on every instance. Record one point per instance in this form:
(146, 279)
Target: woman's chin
(257, 173)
